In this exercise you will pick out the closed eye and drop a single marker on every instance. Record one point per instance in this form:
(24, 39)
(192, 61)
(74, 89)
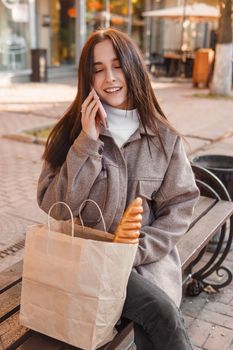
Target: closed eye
(98, 71)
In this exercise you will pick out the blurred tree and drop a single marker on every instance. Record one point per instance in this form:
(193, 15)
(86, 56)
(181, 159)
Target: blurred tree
(222, 75)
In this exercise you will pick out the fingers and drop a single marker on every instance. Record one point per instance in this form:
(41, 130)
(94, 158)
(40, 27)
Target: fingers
(101, 112)
(88, 113)
(90, 121)
(88, 106)
(89, 99)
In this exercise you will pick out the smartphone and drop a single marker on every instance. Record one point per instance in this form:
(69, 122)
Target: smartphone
(102, 113)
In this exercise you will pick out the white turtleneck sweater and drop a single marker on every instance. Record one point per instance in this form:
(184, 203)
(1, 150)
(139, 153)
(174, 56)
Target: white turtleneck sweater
(122, 123)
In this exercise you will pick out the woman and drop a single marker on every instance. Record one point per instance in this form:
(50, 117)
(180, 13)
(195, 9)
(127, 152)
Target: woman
(139, 155)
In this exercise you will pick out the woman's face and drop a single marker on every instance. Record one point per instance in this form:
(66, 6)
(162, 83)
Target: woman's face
(108, 77)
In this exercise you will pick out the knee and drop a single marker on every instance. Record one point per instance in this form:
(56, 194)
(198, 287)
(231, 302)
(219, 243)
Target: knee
(169, 313)
(162, 312)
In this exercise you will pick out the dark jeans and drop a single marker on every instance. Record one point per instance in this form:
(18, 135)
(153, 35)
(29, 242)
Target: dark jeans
(158, 323)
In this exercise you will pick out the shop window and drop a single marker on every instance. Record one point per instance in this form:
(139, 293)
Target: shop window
(63, 15)
(14, 33)
(117, 14)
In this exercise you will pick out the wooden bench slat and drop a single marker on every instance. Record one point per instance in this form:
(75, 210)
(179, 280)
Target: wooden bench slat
(11, 276)
(19, 341)
(199, 235)
(11, 330)
(9, 300)
(41, 342)
(203, 205)
(9, 313)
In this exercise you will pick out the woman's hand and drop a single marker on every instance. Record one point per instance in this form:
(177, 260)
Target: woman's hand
(90, 120)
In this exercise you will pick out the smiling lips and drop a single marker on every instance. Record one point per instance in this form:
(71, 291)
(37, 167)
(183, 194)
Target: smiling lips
(112, 90)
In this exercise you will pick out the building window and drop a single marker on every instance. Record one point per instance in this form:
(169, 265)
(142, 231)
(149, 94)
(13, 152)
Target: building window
(63, 16)
(120, 14)
(14, 35)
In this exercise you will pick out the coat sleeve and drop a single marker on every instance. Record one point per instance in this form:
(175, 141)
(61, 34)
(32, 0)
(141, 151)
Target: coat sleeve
(71, 182)
(173, 206)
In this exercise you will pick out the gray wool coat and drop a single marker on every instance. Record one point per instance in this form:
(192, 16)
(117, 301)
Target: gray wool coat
(113, 177)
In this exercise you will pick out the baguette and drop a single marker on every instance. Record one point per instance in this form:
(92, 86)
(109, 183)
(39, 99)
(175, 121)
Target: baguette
(128, 230)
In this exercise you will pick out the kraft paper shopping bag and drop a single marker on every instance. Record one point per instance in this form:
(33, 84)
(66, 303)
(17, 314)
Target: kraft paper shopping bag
(74, 288)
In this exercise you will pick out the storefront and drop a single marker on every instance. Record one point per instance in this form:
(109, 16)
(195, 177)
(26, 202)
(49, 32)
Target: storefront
(60, 27)
(14, 35)
(120, 14)
(65, 14)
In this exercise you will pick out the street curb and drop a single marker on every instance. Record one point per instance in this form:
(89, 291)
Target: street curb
(22, 136)
(25, 138)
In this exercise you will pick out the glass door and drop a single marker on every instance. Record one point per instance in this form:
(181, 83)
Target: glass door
(14, 35)
(62, 32)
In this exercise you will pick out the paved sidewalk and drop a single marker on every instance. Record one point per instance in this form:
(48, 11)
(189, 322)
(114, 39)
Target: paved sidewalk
(208, 125)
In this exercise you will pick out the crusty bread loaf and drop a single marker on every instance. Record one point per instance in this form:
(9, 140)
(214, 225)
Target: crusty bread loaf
(128, 230)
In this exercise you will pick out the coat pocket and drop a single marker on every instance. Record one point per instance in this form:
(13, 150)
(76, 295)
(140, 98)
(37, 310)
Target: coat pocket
(148, 188)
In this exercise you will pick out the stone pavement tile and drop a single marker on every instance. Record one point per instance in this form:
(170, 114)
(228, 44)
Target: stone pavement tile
(12, 230)
(37, 92)
(224, 297)
(14, 122)
(188, 320)
(204, 118)
(194, 144)
(224, 147)
(220, 308)
(221, 338)
(30, 211)
(191, 306)
(48, 110)
(230, 254)
(199, 331)
(54, 111)
(219, 319)
(20, 166)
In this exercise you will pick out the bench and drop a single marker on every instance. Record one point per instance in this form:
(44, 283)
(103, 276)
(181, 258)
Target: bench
(210, 216)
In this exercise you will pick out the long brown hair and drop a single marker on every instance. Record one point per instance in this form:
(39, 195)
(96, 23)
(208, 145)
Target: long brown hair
(140, 92)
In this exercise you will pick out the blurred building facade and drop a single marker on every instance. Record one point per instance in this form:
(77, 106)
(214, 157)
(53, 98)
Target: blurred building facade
(61, 27)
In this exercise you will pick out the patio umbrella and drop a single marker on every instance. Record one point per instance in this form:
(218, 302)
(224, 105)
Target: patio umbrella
(198, 12)
(195, 11)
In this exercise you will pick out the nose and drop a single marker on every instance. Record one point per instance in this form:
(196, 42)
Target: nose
(110, 76)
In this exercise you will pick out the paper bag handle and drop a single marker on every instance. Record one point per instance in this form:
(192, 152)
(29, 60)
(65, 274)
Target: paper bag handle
(81, 207)
(72, 217)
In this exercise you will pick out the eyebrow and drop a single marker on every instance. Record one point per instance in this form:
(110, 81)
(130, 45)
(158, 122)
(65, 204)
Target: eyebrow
(98, 63)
